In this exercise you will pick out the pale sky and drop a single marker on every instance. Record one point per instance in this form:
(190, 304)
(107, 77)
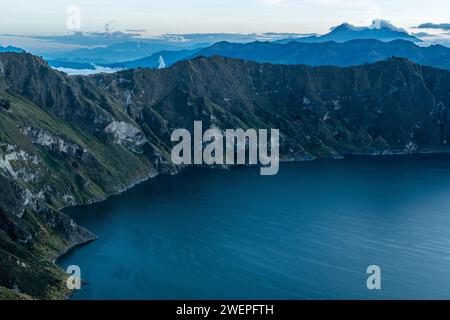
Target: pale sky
(207, 16)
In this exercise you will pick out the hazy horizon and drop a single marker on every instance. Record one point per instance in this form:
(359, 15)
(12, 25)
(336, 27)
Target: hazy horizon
(201, 16)
(72, 25)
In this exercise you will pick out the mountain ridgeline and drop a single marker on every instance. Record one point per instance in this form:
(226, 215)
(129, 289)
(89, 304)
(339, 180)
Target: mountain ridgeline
(379, 29)
(350, 53)
(68, 141)
(177, 47)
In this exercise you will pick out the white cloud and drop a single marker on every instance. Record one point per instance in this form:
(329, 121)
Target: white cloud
(86, 72)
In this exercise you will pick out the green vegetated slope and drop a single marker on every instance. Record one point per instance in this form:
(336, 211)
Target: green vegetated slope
(67, 141)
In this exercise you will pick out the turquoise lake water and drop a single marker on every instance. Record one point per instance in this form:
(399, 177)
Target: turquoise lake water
(309, 232)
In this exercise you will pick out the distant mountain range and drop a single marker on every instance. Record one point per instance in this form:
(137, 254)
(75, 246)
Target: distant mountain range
(379, 30)
(345, 45)
(126, 47)
(155, 60)
(125, 51)
(349, 53)
(148, 50)
(344, 54)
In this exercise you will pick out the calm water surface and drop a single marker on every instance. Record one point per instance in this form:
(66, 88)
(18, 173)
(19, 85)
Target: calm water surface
(308, 233)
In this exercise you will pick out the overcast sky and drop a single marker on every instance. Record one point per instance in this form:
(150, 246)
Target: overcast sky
(205, 16)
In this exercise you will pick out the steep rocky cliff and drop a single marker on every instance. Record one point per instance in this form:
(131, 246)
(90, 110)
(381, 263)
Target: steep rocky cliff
(388, 107)
(63, 142)
(76, 140)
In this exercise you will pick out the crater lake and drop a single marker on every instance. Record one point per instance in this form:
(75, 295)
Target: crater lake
(309, 232)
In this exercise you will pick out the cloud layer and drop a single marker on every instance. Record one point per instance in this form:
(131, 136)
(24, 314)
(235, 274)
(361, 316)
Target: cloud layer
(439, 26)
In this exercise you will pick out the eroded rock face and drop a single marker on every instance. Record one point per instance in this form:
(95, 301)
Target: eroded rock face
(53, 142)
(127, 135)
(18, 164)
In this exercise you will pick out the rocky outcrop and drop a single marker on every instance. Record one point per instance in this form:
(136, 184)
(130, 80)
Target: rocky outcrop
(52, 142)
(18, 164)
(127, 135)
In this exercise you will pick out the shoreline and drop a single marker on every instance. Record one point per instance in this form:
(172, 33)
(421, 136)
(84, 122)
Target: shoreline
(146, 178)
(174, 173)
